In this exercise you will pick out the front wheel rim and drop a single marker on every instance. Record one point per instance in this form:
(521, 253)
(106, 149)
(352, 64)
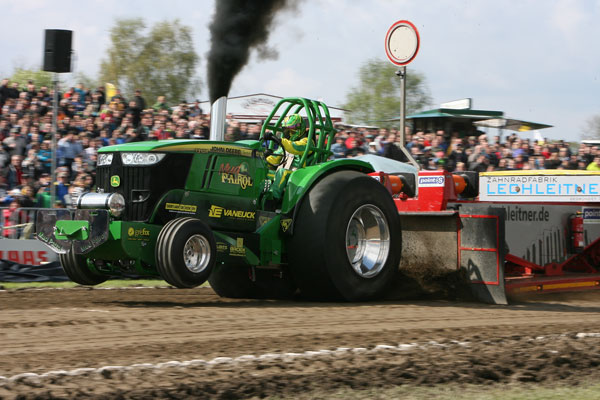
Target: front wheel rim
(196, 253)
(367, 241)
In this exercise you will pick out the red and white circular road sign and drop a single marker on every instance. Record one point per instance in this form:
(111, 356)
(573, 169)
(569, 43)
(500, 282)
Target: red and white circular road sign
(402, 42)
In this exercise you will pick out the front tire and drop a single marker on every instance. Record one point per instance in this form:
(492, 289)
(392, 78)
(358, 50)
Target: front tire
(347, 239)
(185, 252)
(77, 269)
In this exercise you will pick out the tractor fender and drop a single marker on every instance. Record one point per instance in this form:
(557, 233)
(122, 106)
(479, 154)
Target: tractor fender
(302, 180)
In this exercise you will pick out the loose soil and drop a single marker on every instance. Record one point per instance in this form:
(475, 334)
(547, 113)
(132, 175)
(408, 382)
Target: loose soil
(542, 340)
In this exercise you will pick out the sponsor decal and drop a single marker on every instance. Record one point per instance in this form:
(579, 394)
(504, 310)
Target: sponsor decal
(91, 244)
(215, 212)
(204, 148)
(285, 224)
(115, 181)
(238, 250)
(222, 149)
(232, 150)
(263, 219)
(25, 257)
(236, 174)
(219, 212)
(49, 241)
(591, 215)
(138, 234)
(222, 247)
(431, 181)
(537, 188)
(181, 208)
(516, 213)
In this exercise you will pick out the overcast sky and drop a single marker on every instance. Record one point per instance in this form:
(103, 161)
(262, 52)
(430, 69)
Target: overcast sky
(536, 60)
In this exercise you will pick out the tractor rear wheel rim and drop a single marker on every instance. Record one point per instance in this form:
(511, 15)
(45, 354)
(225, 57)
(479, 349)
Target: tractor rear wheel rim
(196, 253)
(367, 241)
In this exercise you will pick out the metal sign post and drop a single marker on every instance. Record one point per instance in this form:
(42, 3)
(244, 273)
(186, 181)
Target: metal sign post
(401, 47)
(54, 133)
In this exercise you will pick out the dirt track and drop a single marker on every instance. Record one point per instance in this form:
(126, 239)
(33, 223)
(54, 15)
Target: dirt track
(50, 330)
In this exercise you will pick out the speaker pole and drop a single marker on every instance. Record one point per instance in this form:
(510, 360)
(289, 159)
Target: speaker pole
(54, 132)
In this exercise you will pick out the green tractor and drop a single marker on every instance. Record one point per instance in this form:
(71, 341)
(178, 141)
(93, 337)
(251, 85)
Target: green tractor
(189, 211)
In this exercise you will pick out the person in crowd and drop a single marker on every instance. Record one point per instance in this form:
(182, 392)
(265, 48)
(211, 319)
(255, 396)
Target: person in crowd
(16, 143)
(12, 216)
(13, 173)
(594, 165)
(31, 165)
(71, 147)
(339, 148)
(43, 197)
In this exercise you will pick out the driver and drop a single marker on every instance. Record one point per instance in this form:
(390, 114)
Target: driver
(294, 141)
(294, 138)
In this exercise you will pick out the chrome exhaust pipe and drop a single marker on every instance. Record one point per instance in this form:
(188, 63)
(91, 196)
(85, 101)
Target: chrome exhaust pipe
(218, 116)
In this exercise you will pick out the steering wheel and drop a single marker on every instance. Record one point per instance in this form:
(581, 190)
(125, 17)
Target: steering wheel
(265, 154)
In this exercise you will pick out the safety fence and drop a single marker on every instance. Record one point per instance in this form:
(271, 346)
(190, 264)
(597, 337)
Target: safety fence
(18, 223)
(22, 257)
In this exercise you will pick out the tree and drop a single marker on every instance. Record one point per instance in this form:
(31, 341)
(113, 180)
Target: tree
(161, 62)
(39, 78)
(87, 81)
(591, 129)
(377, 98)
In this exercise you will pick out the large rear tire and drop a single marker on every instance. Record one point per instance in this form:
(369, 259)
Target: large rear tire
(241, 282)
(346, 242)
(76, 268)
(185, 252)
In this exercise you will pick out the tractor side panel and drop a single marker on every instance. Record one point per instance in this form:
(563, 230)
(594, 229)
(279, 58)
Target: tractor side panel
(220, 212)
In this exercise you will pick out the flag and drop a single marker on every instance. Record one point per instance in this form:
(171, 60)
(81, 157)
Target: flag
(111, 90)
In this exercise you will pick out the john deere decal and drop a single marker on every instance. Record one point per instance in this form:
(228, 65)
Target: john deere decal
(115, 181)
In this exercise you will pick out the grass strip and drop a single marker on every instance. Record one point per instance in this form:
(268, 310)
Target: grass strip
(589, 391)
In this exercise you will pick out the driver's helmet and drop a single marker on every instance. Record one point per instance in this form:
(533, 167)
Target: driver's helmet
(294, 127)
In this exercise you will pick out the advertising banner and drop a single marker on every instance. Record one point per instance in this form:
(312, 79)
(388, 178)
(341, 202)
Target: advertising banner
(537, 188)
(26, 252)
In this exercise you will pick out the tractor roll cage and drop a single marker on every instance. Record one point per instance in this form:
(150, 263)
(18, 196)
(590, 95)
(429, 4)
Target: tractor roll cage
(317, 116)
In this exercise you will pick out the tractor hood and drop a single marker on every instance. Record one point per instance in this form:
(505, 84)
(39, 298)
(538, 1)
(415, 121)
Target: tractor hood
(243, 147)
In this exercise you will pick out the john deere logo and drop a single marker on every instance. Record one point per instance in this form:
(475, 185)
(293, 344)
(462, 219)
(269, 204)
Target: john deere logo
(130, 231)
(115, 181)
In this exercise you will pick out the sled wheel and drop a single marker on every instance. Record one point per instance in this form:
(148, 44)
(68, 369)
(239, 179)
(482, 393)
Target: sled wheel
(346, 242)
(241, 282)
(77, 269)
(185, 252)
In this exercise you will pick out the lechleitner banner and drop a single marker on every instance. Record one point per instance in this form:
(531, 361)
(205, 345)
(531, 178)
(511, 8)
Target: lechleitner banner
(540, 186)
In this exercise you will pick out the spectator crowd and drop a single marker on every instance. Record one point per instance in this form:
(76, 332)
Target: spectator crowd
(453, 152)
(88, 119)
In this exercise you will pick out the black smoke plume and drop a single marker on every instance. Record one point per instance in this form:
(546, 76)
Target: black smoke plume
(237, 27)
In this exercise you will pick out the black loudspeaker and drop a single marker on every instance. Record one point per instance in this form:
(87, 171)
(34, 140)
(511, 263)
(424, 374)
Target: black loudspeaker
(57, 50)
